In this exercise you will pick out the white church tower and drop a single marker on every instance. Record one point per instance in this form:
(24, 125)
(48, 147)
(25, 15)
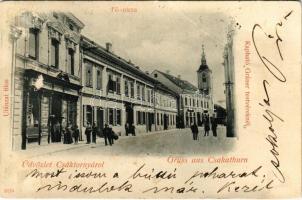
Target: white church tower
(204, 76)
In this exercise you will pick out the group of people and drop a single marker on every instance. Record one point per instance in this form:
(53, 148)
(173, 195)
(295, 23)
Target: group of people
(108, 134)
(206, 123)
(67, 131)
(129, 129)
(71, 134)
(91, 131)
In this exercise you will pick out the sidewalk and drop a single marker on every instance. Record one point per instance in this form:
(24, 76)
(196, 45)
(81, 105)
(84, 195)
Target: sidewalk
(34, 150)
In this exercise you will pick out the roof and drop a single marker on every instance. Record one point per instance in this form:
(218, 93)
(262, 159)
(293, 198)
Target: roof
(203, 68)
(89, 45)
(164, 88)
(75, 19)
(203, 65)
(183, 84)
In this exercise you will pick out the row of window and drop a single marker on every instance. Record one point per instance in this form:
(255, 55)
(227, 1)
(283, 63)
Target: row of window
(54, 51)
(114, 83)
(197, 103)
(167, 119)
(112, 116)
(165, 101)
(140, 118)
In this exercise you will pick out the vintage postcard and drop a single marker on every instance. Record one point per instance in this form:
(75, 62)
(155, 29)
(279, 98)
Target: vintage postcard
(150, 99)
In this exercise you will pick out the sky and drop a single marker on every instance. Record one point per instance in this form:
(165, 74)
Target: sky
(167, 40)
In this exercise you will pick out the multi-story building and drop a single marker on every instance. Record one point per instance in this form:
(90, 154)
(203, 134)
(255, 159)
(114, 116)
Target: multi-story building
(45, 76)
(116, 92)
(165, 107)
(193, 103)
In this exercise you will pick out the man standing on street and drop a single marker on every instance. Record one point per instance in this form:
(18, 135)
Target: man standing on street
(107, 135)
(94, 132)
(88, 133)
(214, 126)
(206, 126)
(194, 130)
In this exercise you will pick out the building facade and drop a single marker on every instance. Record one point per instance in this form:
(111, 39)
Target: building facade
(165, 107)
(46, 78)
(192, 105)
(118, 93)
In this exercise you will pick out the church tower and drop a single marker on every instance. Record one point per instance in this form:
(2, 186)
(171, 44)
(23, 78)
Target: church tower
(204, 75)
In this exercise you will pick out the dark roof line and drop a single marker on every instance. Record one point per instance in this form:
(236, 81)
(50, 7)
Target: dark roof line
(183, 84)
(117, 58)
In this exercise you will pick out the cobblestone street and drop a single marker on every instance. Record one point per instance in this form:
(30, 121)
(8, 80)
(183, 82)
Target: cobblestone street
(175, 142)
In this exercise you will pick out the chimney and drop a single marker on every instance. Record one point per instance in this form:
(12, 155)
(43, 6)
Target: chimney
(147, 72)
(179, 76)
(109, 47)
(137, 67)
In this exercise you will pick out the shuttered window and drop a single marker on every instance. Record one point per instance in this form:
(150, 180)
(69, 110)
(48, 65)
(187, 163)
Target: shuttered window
(33, 43)
(70, 61)
(88, 74)
(98, 79)
(54, 53)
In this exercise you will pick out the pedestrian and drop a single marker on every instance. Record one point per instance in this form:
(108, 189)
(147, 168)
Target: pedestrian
(94, 132)
(107, 135)
(127, 128)
(194, 130)
(57, 132)
(64, 136)
(68, 134)
(112, 134)
(76, 134)
(206, 126)
(132, 129)
(88, 133)
(214, 126)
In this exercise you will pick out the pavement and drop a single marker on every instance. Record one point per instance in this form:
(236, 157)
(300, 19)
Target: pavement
(34, 150)
(174, 141)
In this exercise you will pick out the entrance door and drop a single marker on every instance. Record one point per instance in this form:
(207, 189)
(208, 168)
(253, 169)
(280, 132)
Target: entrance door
(165, 122)
(199, 119)
(56, 113)
(100, 121)
(129, 114)
(150, 121)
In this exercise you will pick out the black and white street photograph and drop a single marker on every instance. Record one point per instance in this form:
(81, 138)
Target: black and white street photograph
(150, 99)
(123, 81)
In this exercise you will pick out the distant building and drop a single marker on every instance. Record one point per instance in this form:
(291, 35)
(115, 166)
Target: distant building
(204, 76)
(190, 102)
(46, 78)
(165, 102)
(230, 84)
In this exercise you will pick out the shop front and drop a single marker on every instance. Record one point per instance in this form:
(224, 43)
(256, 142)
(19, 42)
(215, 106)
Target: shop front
(50, 104)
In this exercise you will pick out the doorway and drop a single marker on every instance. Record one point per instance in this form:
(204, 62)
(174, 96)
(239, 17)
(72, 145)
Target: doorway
(150, 122)
(100, 121)
(129, 114)
(166, 118)
(56, 113)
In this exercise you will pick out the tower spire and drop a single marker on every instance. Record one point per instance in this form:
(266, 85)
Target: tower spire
(203, 57)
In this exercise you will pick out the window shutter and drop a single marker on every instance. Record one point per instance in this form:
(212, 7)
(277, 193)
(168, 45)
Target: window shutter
(84, 116)
(114, 117)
